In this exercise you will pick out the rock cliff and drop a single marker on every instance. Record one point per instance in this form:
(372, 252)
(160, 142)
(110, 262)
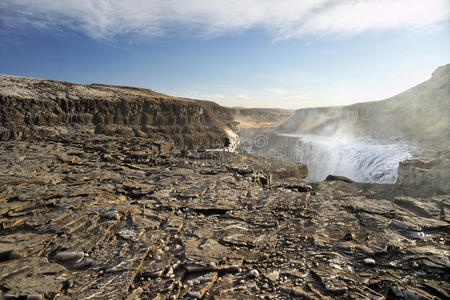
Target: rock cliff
(36, 108)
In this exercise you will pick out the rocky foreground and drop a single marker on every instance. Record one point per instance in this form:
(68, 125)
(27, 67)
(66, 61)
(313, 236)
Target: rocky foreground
(96, 217)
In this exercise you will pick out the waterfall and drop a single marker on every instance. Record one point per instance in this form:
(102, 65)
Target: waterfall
(361, 159)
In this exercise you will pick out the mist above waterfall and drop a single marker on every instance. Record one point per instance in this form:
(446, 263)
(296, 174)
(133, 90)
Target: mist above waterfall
(361, 159)
(364, 141)
(420, 114)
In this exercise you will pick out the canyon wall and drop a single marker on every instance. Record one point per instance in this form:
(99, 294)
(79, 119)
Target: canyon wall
(31, 108)
(258, 118)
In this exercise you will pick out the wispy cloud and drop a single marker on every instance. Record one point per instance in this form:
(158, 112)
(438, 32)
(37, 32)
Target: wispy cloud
(283, 19)
(243, 96)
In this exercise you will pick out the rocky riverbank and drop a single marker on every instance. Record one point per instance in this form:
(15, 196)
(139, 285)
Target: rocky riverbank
(98, 217)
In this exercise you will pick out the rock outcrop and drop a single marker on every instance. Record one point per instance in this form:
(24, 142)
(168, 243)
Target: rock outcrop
(31, 108)
(425, 176)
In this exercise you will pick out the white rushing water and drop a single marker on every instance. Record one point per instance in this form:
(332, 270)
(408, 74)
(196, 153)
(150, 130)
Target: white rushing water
(361, 159)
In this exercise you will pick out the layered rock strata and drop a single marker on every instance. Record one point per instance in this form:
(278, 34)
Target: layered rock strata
(32, 108)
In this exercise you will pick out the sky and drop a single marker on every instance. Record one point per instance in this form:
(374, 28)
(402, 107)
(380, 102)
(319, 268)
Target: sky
(250, 53)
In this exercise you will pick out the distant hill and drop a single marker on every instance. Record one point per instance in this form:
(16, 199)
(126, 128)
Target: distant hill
(260, 117)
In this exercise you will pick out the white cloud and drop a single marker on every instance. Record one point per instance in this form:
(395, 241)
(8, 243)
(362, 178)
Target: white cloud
(243, 96)
(284, 19)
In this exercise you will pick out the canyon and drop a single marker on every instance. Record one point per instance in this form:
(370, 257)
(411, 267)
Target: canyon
(111, 192)
(364, 141)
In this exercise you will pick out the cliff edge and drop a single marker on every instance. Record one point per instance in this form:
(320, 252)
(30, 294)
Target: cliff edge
(33, 108)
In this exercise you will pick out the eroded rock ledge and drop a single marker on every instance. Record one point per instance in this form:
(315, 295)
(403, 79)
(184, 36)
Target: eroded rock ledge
(426, 176)
(35, 108)
(99, 217)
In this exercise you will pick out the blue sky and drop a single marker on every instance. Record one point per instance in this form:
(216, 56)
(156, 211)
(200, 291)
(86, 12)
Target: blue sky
(288, 54)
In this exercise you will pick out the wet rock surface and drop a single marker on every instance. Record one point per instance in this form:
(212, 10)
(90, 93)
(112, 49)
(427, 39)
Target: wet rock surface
(96, 217)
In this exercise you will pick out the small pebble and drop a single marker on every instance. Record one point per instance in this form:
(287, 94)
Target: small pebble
(112, 215)
(157, 257)
(349, 236)
(253, 273)
(197, 295)
(35, 297)
(69, 256)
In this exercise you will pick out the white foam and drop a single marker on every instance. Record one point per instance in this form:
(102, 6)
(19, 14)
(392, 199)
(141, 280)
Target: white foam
(361, 159)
